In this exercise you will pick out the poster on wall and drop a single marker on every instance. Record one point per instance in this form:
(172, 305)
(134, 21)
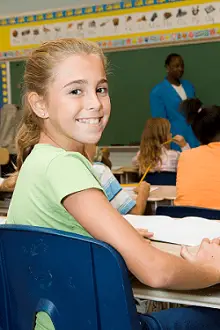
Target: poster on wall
(124, 24)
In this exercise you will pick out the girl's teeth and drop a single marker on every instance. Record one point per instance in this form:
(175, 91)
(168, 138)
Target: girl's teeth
(92, 121)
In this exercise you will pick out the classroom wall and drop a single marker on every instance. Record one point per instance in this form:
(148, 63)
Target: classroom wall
(134, 73)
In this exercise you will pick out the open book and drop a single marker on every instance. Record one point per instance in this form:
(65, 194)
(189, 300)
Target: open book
(187, 231)
(2, 220)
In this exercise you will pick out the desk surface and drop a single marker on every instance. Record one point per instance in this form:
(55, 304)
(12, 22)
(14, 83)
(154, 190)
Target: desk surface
(163, 192)
(124, 169)
(209, 297)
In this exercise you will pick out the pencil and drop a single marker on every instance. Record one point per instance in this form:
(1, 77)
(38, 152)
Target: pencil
(169, 141)
(148, 168)
(145, 173)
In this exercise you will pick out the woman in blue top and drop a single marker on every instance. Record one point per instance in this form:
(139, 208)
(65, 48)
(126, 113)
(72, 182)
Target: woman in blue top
(166, 97)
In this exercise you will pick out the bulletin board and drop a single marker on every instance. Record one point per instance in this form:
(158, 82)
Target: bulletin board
(3, 84)
(115, 26)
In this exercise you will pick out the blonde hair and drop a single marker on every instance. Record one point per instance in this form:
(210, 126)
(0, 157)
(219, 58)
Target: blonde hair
(39, 73)
(154, 135)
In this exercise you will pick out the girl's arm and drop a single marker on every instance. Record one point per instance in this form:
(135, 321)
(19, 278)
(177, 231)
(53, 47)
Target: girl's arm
(143, 191)
(150, 265)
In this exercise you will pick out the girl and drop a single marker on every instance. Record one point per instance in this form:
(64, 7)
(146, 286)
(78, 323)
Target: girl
(66, 105)
(155, 152)
(118, 197)
(198, 176)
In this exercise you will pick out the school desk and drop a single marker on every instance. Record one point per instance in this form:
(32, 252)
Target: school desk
(125, 173)
(209, 297)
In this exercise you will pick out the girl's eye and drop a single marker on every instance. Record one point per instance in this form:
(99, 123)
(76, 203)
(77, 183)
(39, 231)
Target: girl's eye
(102, 90)
(76, 92)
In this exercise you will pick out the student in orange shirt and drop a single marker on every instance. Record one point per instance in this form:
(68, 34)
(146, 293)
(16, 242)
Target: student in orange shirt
(198, 175)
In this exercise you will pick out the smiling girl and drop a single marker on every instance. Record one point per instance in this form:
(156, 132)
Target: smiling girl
(67, 105)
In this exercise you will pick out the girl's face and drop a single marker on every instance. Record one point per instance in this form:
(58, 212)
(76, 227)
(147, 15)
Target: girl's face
(78, 104)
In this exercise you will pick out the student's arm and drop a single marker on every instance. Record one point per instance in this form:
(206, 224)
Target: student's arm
(150, 265)
(118, 197)
(157, 106)
(141, 200)
(181, 142)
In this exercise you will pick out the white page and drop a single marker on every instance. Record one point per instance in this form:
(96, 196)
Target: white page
(187, 231)
(2, 220)
(132, 194)
(133, 187)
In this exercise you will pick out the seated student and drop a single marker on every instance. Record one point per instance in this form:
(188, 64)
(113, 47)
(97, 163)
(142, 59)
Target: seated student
(102, 155)
(154, 152)
(106, 157)
(67, 105)
(198, 175)
(118, 197)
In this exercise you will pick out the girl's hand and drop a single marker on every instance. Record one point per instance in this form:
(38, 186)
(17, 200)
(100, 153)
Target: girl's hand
(208, 254)
(179, 140)
(143, 188)
(145, 233)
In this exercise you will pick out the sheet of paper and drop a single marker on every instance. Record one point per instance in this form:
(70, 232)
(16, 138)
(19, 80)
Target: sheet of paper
(187, 231)
(152, 188)
(2, 220)
(132, 194)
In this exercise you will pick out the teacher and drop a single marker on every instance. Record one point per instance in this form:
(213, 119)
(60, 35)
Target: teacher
(166, 97)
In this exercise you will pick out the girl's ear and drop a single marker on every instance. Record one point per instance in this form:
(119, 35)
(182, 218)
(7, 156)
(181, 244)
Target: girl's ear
(38, 105)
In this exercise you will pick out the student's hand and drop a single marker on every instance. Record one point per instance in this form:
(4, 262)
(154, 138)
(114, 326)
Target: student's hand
(145, 233)
(208, 254)
(143, 188)
(179, 140)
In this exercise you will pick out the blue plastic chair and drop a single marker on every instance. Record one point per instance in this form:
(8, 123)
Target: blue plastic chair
(161, 178)
(80, 282)
(188, 211)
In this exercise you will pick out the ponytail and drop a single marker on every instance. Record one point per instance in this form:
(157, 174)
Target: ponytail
(28, 135)
(204, 120)
(191, 108)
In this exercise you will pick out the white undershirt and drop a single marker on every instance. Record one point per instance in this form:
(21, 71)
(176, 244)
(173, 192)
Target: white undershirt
(180, 90)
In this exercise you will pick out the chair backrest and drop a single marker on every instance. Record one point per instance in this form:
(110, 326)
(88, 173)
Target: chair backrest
(161, 178)
(80, 282)
(188, 211)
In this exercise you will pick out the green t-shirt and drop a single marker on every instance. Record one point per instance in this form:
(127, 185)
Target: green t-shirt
(48, 175)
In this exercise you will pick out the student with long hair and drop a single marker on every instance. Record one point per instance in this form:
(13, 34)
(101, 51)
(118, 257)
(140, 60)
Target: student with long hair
(67, 105)
(155, 152)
